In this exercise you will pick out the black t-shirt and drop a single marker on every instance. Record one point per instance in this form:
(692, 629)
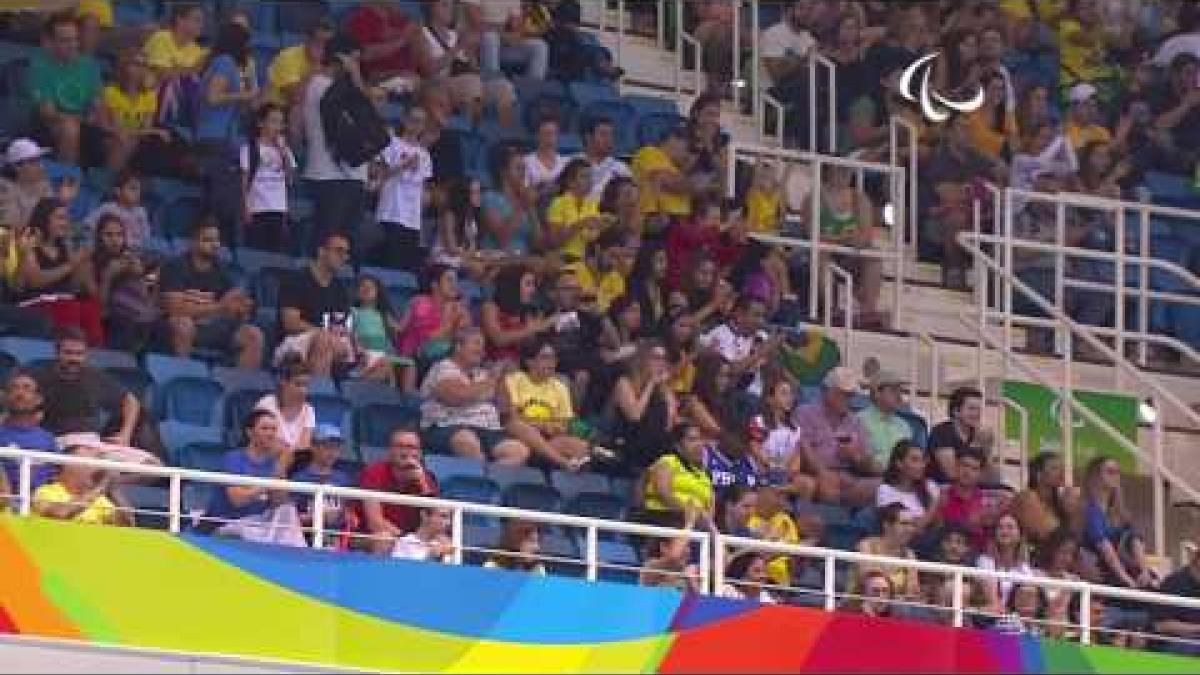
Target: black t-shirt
(1184, 584)
(302, 291)
(181, 274)
(1185, 134)
(91, 403)
(577, 346)
(944, 435)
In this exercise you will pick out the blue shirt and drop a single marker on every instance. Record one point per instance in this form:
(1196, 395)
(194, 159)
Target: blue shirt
(336, 478)
(27, 438)
(520, 243)
(726, 471)
(219, 122)
(240, 463)
(1097, 529)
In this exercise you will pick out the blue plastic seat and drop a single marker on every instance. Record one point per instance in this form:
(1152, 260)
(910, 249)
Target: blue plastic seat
(615, 558)
(335, 410)
(653, 127)
(624, 119)
(203, 456)
(177, 217)
(622, 488)
(369, 454)
(597, 505)
(164, 368)
(478, 539)
(473, 489)
(586, 93)
(545, 104)
(376, 422)
(264, 286)
(27, 350)
(252, 260)
(150, 505)
(920, 429)
(533, 497)
(391, 277)
(365, 392)
(238, 406)
(449, 466)
(570, 484)
(505, 476)
(646, 104)
(562, 555)
(177, 435)
(134, 380)
(191, 400)
(238, 379)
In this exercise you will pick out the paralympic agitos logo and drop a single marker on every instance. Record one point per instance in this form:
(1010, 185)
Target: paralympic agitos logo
(935, 107)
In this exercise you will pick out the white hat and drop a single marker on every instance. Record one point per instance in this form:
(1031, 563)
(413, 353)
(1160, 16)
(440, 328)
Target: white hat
(843, 379)
(1082, 92)
(22, 150)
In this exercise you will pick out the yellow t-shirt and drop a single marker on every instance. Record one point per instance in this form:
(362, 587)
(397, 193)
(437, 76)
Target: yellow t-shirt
(652, 159)
(566, 210)
(163, 53)
(101, 9)
(607, 288)
(99, 512)
(1081, 136)
(131, 112)
(779, 568)
(1081, 54)
(289, 67)
(547, 400)
(690, 486)
(984, 136)
(764, 211)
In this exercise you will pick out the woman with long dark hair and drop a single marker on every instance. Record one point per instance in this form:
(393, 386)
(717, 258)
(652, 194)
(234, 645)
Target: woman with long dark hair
(268, 165)
(1047, 504)
(130, 310)
(905, 482)
(59, 281)
(573, 219)
(622, 328)
(509, 318)
(644, 407)
(647, 284)
(621, 199)
(1108, 527)
(433, 317)
(457, 243)
(708, 144)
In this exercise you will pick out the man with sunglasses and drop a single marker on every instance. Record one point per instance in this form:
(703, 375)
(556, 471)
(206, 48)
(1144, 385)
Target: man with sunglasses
(314, 310)
(401, 472)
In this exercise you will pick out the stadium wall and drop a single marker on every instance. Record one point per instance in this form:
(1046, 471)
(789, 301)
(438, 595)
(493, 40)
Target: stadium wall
(146, 589)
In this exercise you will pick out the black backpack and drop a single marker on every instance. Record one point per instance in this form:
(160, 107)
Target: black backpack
(354, 130)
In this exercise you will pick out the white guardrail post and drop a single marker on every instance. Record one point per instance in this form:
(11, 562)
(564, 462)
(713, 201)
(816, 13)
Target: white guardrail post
(1022, 429)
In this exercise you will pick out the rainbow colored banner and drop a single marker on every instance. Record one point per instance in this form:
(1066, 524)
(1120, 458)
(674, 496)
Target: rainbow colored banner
(148, 589)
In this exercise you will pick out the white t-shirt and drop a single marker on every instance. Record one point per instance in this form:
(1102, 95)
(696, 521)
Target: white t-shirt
(783, 40)
(400, 196)
(268, 189)
(289, 429)
(780, 444)
(537, 174)
(320, 164)
(986, 562)
(890, 494)
(410, 547)
(434, 413)
(437, 51)
(727, 343)
(604, 171)
(497, 12)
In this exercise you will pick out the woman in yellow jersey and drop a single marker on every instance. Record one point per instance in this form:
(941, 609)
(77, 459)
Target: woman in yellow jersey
(764, 200)
(677, 483)
(80, 494)
(128, 112)
(574, 219)
(539, 408)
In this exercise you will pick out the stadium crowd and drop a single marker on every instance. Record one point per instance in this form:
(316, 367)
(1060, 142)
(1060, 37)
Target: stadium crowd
(444, 208)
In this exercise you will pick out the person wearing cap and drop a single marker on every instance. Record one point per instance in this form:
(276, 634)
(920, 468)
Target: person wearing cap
(1083, 116)
(293, 66)
(28, 184)
(65, 86)
(885, 428)
(327, 447)
(835, 444)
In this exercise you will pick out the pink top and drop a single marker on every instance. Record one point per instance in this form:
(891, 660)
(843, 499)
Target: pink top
(425, 317)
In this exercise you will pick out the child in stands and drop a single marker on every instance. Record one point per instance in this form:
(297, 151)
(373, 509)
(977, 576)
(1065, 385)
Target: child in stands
(267, 164)
(126, 204)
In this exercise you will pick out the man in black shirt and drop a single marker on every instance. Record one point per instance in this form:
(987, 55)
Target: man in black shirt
(314, 310)
(1180, 622)
(963, 430)
(576, 336)
(202, 305)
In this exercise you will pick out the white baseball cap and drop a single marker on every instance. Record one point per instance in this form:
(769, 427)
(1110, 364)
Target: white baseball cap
(843, 379)
(1081, 92)
(22, 150)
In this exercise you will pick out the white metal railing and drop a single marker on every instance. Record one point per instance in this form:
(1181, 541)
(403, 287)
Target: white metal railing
(176, 476)
(682, 38)
(814, 243)
(957, 574)
(1001, 435)
(1070, 405)
(835, 275)
(713, 546)
(896, 125)
(916, 340)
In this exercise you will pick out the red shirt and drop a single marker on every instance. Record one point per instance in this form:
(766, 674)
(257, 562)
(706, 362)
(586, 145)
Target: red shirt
(372, 26)
(684, 241)
(379, 477)
(960, 510)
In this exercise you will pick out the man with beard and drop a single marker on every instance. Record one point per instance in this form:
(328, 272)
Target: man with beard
(401, 472)
(22, 427)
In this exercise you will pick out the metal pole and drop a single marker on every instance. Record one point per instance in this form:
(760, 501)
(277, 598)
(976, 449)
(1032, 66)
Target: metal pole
(899, 222)
(812, 102)
(718, 563)
(756, 67)
(1119, 297)
(737, 54)
(705, 564)
(1143, 283)
(456, 534)
(679, 47)
(833, 149)
(593, 553)
(661, 28)
(982, 275)
(830, 583)
(1160, 497)
(849, 358)
(318, 519)
(957, 599)
(814, 235)
(175, 503)
(25, 487)
(620, 31)
(1060, 264)
(1085, 615)
(1066, 411)
(1007, 281)
(829, 300)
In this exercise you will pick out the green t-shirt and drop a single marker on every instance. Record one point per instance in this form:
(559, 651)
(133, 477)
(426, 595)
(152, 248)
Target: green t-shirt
(884, 432)
(72, 87)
